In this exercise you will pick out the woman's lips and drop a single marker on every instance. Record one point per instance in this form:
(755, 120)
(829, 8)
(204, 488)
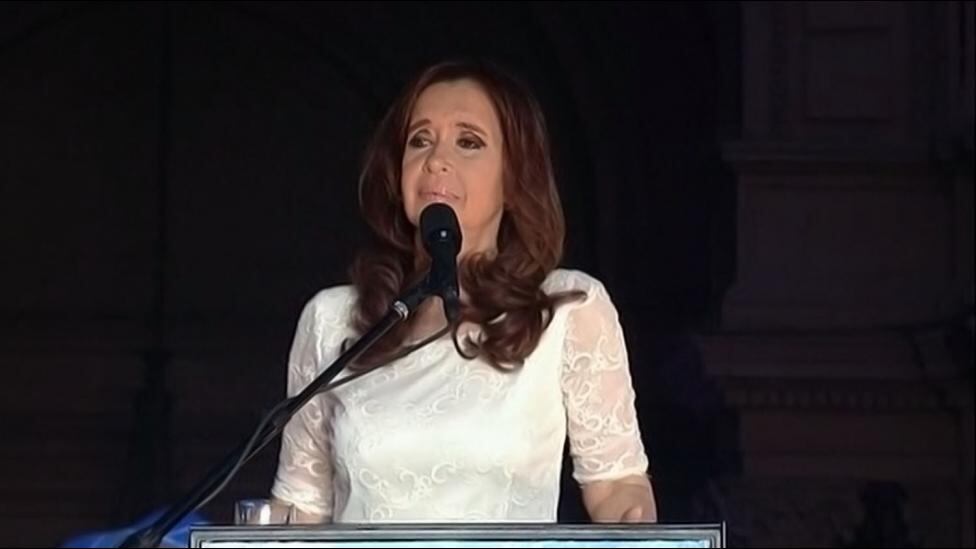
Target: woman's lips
(438, 196)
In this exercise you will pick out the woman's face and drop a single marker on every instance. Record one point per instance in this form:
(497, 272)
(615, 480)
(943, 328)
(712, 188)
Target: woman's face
(454, 155)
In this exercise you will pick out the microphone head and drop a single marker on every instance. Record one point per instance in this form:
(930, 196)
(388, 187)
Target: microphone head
(441, 234)
(439, 228)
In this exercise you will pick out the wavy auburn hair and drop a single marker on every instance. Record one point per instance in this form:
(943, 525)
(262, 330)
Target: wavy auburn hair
(530, 236)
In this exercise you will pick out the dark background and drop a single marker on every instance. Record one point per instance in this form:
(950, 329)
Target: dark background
(177, 179)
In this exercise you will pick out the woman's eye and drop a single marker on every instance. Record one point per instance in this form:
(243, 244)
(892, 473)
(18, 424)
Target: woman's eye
(418, 141)
(470, 143)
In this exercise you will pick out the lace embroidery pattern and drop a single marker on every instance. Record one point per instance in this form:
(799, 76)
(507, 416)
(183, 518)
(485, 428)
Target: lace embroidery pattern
(436, 437)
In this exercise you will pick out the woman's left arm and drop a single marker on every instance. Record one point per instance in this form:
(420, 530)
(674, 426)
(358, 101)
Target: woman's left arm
(609, 460)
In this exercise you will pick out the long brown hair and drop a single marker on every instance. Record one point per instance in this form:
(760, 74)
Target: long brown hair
(530, 236)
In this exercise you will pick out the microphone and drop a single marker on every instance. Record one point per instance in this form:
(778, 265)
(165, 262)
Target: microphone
(441, 235)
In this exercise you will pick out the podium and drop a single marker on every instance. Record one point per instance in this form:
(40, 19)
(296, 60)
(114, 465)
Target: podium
(458, 535)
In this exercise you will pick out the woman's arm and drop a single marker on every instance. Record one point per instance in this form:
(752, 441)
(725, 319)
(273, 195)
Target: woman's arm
(629, 499)
(609, 460)
(297, 516)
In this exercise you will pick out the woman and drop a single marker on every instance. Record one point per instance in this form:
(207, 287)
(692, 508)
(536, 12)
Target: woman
(465, 422)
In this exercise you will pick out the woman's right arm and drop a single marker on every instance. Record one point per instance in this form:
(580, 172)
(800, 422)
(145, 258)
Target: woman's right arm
(304, 475)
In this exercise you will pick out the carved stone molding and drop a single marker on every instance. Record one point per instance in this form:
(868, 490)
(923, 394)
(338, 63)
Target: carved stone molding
(868, 396)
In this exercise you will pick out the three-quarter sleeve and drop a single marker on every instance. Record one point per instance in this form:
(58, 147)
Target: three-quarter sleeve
(304, 474)
(604, 435)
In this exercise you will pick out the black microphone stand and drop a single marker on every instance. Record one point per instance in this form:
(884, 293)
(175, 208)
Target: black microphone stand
(275, 422)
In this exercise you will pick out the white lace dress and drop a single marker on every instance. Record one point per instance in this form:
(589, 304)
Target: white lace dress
(434, 437)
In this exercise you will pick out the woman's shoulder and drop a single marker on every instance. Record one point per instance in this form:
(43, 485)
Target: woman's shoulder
(331, 305)
(568, 280)
(334, 295)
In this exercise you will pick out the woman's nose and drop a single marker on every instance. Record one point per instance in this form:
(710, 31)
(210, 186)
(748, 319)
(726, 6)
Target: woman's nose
(436, 163)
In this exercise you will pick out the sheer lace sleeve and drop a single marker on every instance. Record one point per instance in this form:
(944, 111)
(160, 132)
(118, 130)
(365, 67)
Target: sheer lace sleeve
(604, 435)
(304, 476)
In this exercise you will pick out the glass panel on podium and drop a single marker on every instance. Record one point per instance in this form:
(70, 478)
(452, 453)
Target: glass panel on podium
(454, 535)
